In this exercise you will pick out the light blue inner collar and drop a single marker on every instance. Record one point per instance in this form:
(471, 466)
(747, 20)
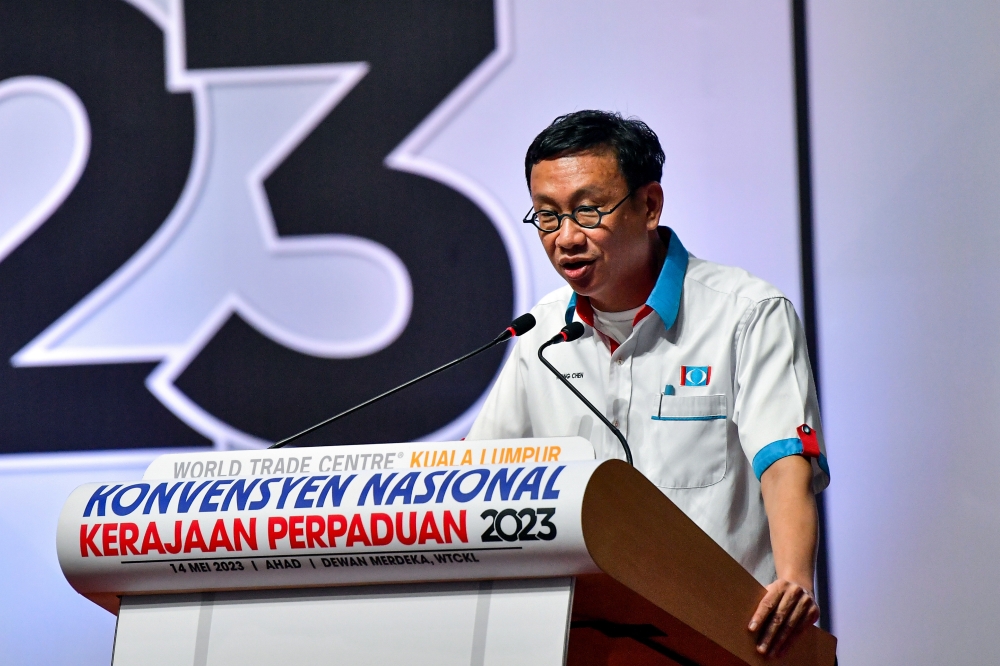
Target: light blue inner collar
(665, 298)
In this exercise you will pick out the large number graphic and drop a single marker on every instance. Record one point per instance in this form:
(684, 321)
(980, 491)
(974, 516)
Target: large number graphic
(312, 259)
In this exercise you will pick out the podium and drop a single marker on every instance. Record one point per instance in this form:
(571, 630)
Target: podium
(487, 552)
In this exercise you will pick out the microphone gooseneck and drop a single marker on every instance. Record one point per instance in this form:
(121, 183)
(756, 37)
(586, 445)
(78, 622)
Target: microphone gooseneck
(571, 332)
(519, 326)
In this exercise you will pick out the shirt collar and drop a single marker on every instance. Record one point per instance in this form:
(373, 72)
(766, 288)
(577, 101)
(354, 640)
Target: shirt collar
(665, 299)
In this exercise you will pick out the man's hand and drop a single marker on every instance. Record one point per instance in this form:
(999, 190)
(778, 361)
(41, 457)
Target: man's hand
(782, 614)
(789, 605)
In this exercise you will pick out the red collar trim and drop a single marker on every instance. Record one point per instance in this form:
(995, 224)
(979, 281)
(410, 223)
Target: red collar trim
(642, 314)
(585, 310)
(586, 313)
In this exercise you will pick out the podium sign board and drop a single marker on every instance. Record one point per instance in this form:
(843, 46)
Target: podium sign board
(422, 552)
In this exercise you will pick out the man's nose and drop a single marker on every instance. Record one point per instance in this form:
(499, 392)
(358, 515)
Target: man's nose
(570, 235)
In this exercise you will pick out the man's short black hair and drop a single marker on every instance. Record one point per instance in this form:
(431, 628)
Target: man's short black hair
(640, 158)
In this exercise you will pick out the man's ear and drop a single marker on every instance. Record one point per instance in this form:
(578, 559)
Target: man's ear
(651, 204)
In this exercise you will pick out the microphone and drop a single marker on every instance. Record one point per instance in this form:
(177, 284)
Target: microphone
(519, 326)
(569, 333)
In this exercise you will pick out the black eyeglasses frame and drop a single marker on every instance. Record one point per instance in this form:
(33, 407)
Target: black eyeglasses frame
(532, 217)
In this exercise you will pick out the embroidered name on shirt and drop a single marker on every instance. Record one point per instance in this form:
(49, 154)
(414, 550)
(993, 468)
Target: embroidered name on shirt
(696, 375)
(573, 375)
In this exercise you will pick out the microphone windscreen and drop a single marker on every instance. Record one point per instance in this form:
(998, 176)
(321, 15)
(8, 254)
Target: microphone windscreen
(573, 331)
(523, 324)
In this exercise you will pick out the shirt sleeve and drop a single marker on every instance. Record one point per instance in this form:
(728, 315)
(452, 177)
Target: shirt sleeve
(776, 410)
(505, 413)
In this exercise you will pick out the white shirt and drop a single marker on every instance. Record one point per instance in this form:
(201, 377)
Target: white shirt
(617, 325)
(711, 387)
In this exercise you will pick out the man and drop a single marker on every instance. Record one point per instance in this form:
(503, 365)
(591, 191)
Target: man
(702, 367)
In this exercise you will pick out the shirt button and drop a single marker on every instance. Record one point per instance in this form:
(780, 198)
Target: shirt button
(616, 423)
(621, 361)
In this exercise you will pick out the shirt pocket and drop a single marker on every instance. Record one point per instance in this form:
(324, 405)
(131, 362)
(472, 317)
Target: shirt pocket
(687, 448)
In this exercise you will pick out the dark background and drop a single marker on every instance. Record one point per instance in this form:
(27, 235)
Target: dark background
(334, 182)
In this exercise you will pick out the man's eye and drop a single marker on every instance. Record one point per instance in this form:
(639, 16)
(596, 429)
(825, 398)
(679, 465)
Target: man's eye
(546, 215)
(587, 216)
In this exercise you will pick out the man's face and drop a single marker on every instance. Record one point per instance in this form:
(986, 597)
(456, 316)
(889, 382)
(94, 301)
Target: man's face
(603, 263)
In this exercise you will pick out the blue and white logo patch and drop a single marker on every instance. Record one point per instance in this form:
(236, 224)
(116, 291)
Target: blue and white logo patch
(696, 375)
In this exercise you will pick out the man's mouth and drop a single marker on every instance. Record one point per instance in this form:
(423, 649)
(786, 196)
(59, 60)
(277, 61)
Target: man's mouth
(575, 270)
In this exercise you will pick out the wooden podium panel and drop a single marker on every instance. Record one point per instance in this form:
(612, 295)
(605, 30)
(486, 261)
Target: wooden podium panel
(668, 591)
(612, 625)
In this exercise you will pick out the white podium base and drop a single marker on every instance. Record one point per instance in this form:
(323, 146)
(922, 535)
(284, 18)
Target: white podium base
(438, 624)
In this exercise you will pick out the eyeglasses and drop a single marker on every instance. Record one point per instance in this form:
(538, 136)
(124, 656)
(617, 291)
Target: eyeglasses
(587, 217)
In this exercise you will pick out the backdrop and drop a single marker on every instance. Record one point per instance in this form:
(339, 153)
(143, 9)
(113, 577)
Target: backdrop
(907, 172)
(223, 221)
